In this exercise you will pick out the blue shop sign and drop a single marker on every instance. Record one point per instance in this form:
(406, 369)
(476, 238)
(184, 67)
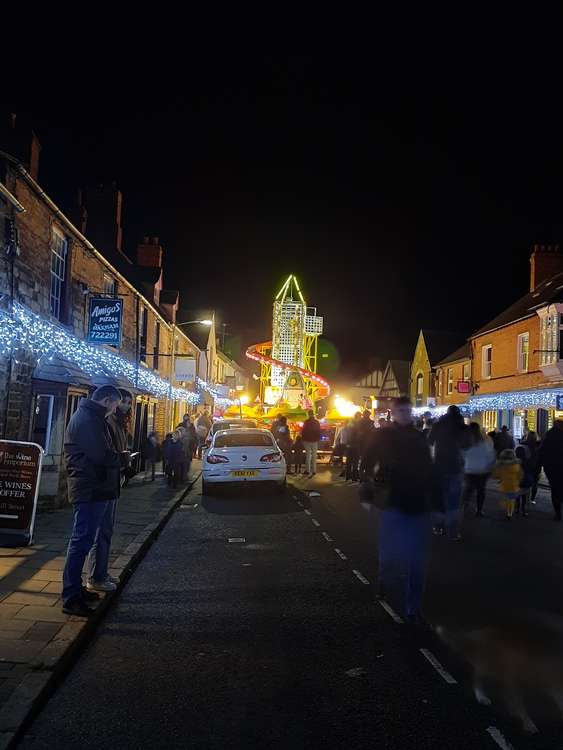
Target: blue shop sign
(559, 402)
(105, 321)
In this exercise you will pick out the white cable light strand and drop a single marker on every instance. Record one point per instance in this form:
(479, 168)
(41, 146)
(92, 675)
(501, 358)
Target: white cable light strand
(26, 330)
(540, 399)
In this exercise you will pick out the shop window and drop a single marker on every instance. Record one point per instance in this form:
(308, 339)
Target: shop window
(72, 404)
(487, 361)
(59, 252)
(450, 380)
(523, 349)
(42, 420)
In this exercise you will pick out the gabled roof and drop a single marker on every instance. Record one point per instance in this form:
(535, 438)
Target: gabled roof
(545, 293)
(440, 343)
(464, 352)
(401, 370)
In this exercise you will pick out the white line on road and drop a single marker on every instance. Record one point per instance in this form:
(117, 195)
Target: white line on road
(340, 553)
(327, 537)
(391, 612)
(300, 503)
(308, 512)
(314, 520)
(236, 539)
(499, 738)
(446, 676)
(360, 577)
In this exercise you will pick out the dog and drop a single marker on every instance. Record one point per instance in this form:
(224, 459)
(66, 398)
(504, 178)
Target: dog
(518, 654)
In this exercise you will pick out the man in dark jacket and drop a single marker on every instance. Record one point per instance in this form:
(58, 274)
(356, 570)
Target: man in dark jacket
(504, 441)
(311, 434)
(354, 449)
(550, 457)
(93, 465)
(451, 437)
(403, 455)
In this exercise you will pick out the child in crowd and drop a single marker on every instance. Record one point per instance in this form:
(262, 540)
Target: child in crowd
(509, 473)
(298, 452)
(152, 455)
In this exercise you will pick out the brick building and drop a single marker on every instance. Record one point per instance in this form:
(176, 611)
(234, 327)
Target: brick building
(431, 347)
(51, 270)
(453, 377)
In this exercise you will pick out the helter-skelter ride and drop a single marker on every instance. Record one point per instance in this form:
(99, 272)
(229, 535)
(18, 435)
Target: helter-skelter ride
(289, 383)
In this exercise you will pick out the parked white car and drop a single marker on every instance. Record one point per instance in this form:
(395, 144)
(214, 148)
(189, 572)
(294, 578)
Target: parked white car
(243, 455)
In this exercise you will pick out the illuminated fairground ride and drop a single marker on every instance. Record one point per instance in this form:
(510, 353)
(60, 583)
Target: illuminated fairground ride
(288, 363)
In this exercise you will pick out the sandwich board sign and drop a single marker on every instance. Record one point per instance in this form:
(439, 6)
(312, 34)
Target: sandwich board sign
(20, 474)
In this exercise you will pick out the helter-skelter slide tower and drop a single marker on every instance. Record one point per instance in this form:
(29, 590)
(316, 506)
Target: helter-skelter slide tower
(288, 362)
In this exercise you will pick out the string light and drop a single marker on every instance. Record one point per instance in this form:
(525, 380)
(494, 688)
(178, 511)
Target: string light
(538, 399)
(25, 330)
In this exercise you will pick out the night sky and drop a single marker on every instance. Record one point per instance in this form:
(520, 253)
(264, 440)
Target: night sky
(403, 192)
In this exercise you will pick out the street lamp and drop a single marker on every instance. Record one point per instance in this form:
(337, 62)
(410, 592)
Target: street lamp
(204, 322)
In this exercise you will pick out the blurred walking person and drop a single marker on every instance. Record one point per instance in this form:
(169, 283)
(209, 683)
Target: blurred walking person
(509, 474)
(152, 455)
(450, 437)
(353, 453)
(550, 454)
(311, 434)
(533, 445)
(479, 459)
(403, 454)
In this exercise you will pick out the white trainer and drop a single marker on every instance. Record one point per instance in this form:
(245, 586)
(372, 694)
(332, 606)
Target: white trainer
(105, 586)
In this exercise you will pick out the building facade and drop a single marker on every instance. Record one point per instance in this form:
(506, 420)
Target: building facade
(453, 384)
(51, 272)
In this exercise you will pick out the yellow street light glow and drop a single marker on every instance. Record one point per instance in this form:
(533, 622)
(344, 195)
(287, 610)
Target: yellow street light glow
(244, 399)
(205, 322)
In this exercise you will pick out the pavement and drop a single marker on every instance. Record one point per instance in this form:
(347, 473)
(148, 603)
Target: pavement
(37, 641)
(252, 623)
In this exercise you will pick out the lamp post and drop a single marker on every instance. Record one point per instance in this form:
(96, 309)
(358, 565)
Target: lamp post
(204, 322)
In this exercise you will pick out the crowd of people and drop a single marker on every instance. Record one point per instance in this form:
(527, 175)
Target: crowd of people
(300, 453)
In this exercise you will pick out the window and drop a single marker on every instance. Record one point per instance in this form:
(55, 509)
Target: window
(466, 372)
(72, 404)
(109, 285)
(551, 328)
(439, 382)
(419, 388)
(450, 380)
(59, 251)
(523, 348)
(143, 328)
(156, 344)
(240, 439)
(487, 361)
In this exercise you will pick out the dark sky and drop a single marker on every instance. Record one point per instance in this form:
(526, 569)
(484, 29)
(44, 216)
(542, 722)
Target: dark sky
(403, 190)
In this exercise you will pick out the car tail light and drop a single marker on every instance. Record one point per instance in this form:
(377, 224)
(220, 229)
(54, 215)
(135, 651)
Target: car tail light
(271, 457)
(217, 459)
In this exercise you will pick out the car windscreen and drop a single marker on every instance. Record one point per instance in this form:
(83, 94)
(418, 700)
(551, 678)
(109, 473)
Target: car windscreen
(238, 439)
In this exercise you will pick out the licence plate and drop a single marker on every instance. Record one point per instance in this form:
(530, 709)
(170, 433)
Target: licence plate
(246, 473)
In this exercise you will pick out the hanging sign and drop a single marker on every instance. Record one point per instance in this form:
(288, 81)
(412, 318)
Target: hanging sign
(184, 369)
(20, 474)
(105, 321)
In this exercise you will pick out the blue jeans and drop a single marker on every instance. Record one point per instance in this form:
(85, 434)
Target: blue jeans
(452, 485)
(87, 520)
(98, 557)
(404, 545)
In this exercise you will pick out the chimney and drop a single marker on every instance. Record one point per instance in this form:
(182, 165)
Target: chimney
(103, 205)
(546, 261)
(18, 139)
(149, 252)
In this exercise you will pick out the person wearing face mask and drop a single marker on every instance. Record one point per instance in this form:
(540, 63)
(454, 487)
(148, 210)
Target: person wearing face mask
(93, 475)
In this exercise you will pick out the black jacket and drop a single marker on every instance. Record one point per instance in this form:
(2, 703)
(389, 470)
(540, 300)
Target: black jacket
(311, 432)
(451, 438)
(92, 463)
(551, 453)
(404, 457)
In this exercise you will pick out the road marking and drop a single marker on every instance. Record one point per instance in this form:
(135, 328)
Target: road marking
(236, 539)
(327, 537)
(300, 503)
(360, 577)
(314, 520)
(308, 512)
(340, 553)
(446, 676)
(391, 612)
(499, 738)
